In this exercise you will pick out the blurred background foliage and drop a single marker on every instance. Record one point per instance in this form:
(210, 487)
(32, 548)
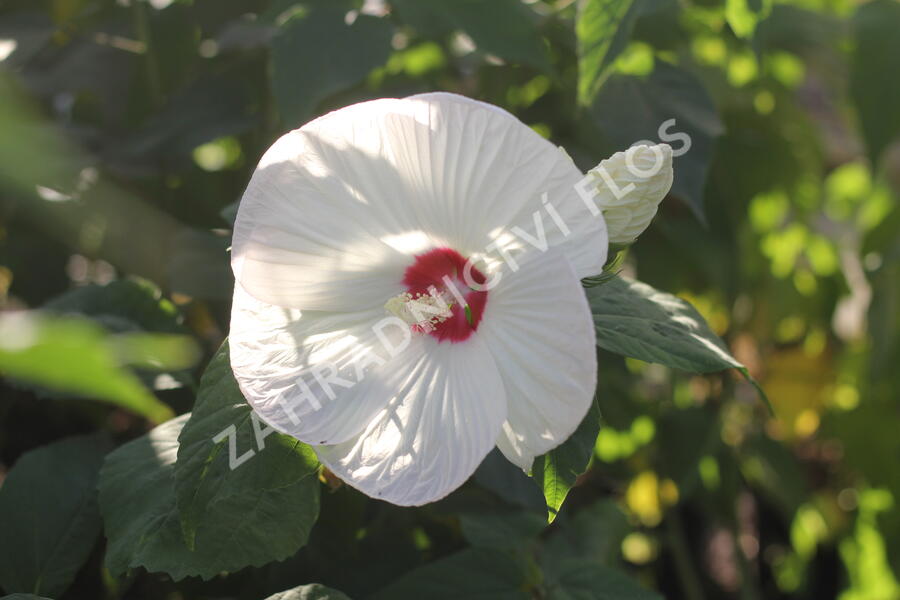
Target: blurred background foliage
(129, 128)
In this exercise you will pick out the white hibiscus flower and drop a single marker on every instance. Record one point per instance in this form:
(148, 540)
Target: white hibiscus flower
(362, 323)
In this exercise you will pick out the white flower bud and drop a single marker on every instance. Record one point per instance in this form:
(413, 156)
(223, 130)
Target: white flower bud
(630, 186)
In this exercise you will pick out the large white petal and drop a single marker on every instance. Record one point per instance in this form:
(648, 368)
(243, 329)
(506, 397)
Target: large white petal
(305, 236)
(431, 437)
(336, 208)
(539, 329)
(286, 364)
(497, 182)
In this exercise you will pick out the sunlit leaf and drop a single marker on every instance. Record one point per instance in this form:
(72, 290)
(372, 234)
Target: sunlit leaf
(743, 15)
(635, 320)
(557, 471)
(865, 552)
(595, 28)
(75, 356)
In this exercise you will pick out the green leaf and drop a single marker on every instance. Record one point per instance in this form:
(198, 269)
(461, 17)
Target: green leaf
(596, 26)
(509, 482)
(271, 503)
(595, 533)
(474, 574)
(49, 515)
(636, 320)
(129, 306)
(774, 470)
(74, 356)
(501, 529)
(629, 108)
(680, 461)
(200, 266)
(505, 28)
(583, 578)
(873, 82)
(137, 501)
(603, 31)
(242, 525)
(24, 597)
(744, 15)
(214, 106)
(135, 300)
(317, 54)
(557, 471)
(311, 591)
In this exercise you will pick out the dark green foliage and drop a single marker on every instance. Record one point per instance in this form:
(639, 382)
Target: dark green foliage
(271, 504)
(49, 515)
(631, 108)
(128, 133)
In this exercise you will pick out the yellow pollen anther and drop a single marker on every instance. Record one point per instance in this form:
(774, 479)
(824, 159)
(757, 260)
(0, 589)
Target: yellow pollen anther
(423, 312)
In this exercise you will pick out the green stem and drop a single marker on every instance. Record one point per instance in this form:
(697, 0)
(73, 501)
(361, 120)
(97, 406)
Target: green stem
(691, 586)
(749, 590)
(142, 30)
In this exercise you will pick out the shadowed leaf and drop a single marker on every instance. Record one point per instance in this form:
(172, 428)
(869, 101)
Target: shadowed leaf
(49, 515)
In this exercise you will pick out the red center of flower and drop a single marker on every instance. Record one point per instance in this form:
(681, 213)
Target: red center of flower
(444, 270)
